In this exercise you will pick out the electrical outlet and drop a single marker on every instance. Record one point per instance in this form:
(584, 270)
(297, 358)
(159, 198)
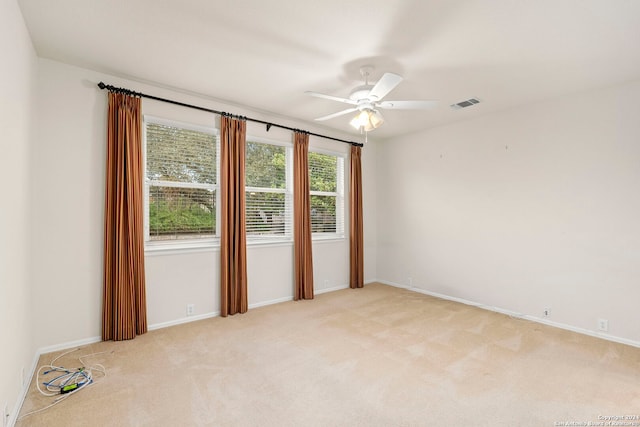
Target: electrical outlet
(326, 283)
(23, 380)
(410, 280)
(191, 309)
(546, 311)
(603, 325)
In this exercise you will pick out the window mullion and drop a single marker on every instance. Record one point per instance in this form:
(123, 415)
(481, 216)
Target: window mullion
(324, 193)
(265, 190)
(174, 184)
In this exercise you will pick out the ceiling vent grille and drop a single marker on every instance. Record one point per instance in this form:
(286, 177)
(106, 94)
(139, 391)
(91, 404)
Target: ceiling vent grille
(466, 103)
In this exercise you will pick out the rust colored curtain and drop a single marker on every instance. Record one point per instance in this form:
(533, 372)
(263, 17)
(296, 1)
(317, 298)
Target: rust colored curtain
(356, 245)
(233, 248)
(302, 259)
(124, 310)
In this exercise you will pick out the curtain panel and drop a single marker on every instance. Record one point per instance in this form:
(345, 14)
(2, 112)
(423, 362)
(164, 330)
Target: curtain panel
(303, 260)
(356, 245)
(233, 247)
(124, 313)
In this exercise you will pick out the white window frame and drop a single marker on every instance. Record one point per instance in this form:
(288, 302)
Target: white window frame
(338, 194)
(287, 191)
(181, 244)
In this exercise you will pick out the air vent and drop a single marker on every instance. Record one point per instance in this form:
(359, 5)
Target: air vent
(464, 104)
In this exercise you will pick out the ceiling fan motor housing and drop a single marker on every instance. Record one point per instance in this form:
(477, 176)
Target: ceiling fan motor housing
(361, 92)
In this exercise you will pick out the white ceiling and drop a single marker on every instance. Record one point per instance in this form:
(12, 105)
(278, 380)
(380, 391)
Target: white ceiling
(265, 54)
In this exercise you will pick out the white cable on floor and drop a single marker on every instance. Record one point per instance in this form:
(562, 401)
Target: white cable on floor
(70, 381)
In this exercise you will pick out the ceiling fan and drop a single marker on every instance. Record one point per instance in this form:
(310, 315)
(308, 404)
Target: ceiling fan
(367, 98)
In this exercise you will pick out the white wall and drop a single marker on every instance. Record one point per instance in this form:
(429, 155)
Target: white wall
(17, 117)
(69, 185)
(533, 207)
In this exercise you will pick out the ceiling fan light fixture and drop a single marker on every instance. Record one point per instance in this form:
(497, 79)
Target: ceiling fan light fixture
(360, 119)
(367, 120)
(375, 119)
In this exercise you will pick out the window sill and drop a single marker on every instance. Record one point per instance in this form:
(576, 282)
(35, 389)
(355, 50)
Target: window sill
(173, 248)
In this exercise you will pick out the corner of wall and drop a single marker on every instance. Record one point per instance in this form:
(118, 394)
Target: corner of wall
(18, 119)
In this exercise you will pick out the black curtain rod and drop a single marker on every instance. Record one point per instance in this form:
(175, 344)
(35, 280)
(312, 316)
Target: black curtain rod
(111, 88)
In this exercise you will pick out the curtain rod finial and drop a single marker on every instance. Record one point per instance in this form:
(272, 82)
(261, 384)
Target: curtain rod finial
(101, 85)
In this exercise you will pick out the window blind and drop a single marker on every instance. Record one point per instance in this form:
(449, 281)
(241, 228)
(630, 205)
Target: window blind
(326, 183)
(180, 182)
(268, 198)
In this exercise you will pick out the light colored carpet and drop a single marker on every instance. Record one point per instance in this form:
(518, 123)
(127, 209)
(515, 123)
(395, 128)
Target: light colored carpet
(378, 356)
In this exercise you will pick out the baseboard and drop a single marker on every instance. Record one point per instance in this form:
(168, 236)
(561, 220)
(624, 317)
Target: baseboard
(183, 320)
(394, 284)
(13, 418)
(67, 345)
(559, 325)
(251, 306)
(333, 289)
(594, 334)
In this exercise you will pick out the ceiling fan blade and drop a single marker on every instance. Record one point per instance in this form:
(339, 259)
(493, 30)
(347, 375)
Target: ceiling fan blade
(332, 98)
(385, 85)
(339, 113)
(407, 105)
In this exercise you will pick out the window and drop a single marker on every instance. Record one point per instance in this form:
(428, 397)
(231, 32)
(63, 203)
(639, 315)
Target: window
(326, 182)
(181, 181)
(268, 192)
(181, 187)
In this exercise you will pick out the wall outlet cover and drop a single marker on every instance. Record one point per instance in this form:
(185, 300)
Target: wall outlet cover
(603, 325)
